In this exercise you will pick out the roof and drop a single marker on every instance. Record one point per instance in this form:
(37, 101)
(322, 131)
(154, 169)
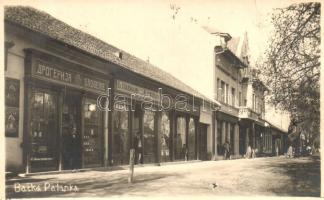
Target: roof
(215, 31)
(240, 47)
(43, 23)
(233, 44)
(276, 127)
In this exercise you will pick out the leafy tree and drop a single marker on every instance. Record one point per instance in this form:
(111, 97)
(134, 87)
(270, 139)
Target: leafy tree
(292, 63)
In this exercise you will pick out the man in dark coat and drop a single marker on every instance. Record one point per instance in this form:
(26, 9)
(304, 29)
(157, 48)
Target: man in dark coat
(138, 148)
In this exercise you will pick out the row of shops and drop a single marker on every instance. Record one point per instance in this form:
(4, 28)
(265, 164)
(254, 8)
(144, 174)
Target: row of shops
(72, 104)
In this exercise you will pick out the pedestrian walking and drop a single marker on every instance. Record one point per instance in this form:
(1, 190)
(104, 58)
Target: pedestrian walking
(248, 152)
(226, 150)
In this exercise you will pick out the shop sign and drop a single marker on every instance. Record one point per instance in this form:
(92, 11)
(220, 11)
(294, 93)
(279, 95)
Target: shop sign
(137, 92)
(165, 101)
(71, 78)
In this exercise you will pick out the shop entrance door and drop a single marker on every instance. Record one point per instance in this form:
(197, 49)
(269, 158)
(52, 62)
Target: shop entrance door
(71, 131)
(203, 141)
(92, 137)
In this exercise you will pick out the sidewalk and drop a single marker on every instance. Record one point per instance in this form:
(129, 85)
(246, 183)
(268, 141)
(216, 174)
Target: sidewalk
(261, 176)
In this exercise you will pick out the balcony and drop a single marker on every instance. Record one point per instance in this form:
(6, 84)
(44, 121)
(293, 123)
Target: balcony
(248, 72)
(246, 112)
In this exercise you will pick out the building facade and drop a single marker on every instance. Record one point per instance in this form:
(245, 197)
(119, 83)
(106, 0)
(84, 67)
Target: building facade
(241, 119)
(82, 101)
(74, 101)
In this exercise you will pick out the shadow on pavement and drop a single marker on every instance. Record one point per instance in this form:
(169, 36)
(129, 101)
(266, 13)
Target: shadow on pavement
(304, 175)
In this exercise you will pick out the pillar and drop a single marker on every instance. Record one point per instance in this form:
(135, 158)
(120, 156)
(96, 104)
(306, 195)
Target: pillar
(228, 133)
(157, 127)
(172, 134)
(215, 137)
(236, 139)
(60, 121)
(106, 116)
(247, 138)
(223, 132)
(253, 135)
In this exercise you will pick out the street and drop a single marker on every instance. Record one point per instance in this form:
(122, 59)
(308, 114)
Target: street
(273, 176)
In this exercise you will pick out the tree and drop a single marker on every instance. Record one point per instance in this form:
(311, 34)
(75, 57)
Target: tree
(292, 63)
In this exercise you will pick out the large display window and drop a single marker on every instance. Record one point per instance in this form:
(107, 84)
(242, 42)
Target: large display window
(149, 137)
(192, 140)
(165, 137)
(43, 130)
(181, 150)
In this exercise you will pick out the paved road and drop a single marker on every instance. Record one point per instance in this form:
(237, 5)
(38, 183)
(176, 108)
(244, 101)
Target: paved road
(261, 176)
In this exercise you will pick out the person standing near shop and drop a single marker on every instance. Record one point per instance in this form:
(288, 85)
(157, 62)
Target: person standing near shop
(138, 148)
(184, 152)
(72, 147)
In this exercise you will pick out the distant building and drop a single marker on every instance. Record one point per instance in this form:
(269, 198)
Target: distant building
(241, 119)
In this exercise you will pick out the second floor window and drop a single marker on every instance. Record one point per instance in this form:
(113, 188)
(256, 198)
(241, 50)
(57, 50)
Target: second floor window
(222, 91)
(233, 96)
(227, 94)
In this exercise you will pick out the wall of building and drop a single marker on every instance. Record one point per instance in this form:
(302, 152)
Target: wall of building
(249, 91)
(222, 76)
(15, 69)
(206, 117)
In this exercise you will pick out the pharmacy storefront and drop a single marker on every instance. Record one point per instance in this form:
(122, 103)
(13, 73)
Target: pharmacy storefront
(63, 129)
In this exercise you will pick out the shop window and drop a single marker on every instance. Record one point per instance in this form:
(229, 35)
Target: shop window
(149, 137)
(192, 140)
(121, 142)
(165, 137)
(180, 139)
(44, 131)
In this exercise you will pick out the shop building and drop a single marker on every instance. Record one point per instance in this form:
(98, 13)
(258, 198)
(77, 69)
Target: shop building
(81, 98)
(228, 91)
(253, 125)
(241, 118)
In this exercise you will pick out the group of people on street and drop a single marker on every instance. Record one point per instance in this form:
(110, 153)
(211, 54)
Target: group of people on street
(251, 152)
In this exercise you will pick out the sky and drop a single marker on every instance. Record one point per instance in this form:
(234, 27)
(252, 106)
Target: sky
(129, 24)
(179, 45)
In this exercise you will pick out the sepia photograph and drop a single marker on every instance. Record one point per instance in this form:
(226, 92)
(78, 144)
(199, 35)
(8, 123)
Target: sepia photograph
(155, 99)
